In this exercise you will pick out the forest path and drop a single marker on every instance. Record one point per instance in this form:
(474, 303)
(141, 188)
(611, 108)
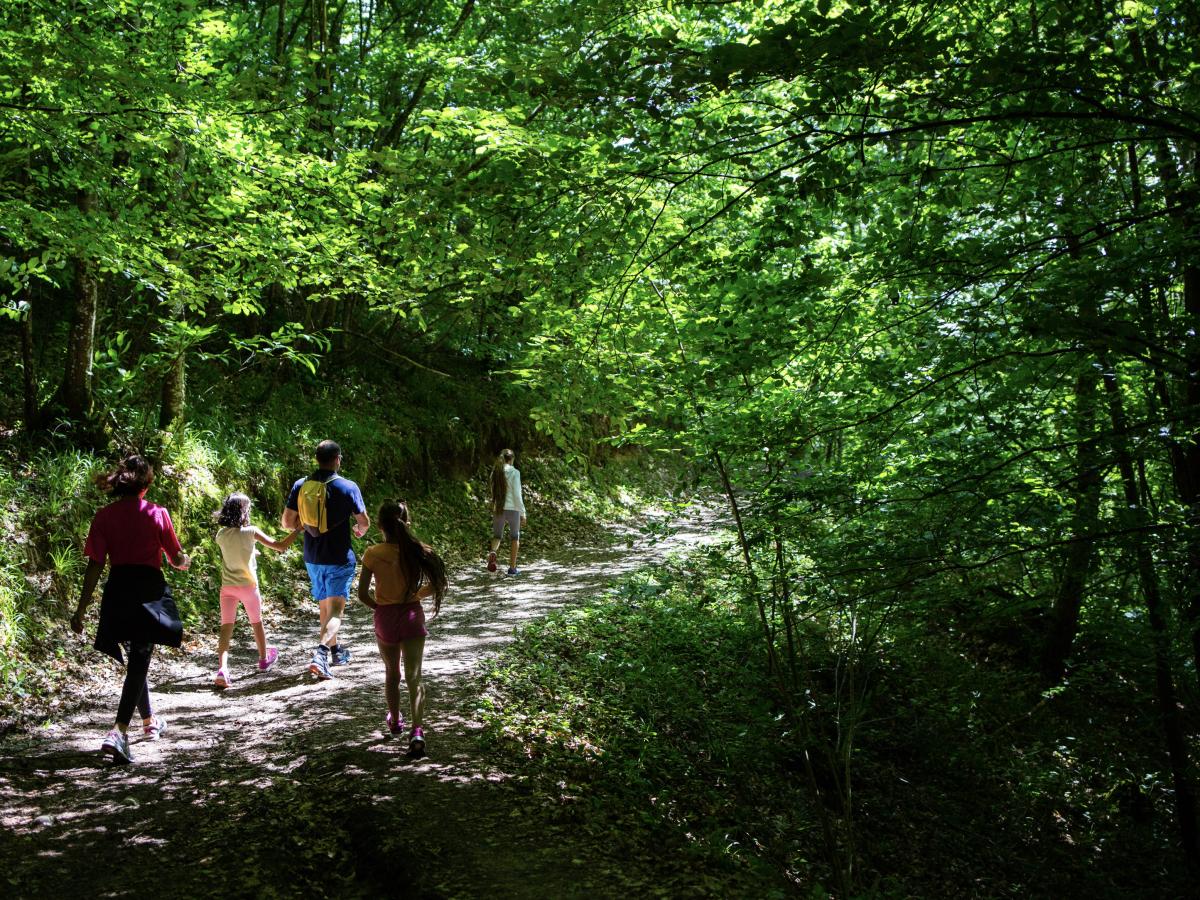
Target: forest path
(285, 786)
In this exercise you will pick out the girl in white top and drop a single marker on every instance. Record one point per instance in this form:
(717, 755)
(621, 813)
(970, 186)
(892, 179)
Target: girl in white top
(508, 508)
(239, 580)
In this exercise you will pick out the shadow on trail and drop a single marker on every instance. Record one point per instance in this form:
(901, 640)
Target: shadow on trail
(281, 784)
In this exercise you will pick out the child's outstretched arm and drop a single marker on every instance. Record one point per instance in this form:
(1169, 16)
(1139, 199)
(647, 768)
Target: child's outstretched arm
(262, 537)
(364, 588)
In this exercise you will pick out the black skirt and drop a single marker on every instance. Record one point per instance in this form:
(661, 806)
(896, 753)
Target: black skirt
(137, 606)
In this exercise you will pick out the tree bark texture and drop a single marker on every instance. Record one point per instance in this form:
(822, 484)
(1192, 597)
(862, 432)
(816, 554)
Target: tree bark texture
(74, 394)
(29, 364)
(1077, 561)
(173, 407)
(1134, 515)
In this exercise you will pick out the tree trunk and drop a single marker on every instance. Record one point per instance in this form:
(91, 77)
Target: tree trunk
(173, 407)
(74, 395)
(1064, 620)
(1134, 516)
(1185, 449)
(280, 32)
(1187, 475)
(29, 364)
(174, 393)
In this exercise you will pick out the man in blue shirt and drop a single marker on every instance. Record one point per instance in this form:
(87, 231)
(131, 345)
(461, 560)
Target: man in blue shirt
(328, 555)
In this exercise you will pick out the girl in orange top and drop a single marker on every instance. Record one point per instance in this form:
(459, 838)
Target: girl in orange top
(405, 571)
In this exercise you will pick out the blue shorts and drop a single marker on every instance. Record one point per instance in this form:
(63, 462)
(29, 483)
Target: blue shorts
(330, 581)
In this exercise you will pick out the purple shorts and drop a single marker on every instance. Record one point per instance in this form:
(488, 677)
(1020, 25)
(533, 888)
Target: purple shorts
(396, 622)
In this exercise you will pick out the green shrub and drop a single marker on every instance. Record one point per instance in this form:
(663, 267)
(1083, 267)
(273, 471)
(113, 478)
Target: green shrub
(649, 704)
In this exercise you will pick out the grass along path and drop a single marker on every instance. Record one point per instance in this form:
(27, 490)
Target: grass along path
(282, 785)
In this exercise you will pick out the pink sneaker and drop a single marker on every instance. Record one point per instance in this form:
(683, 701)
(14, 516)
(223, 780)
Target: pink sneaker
(272, 656)
(416, 742)
(396, 726)
(222, 680)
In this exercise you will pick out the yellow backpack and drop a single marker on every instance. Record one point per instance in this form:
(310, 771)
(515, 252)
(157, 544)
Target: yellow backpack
(311, 505)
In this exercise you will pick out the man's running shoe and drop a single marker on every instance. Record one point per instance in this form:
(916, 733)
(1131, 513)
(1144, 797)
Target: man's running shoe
(492, 561)
(340, 656)
(222, 680)
(272, 656)
(116, 743)
(155, 728)
(320, 663)
(395, 726)
(511, 571)
(416, 743)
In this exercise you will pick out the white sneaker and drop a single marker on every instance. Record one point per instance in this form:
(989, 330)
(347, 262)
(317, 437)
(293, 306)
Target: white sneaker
(117, 743)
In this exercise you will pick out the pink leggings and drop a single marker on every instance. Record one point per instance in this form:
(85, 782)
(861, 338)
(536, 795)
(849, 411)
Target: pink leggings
(247, 595)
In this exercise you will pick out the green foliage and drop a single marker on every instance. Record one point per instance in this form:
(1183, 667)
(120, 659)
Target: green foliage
(650, 707)
(915, 285)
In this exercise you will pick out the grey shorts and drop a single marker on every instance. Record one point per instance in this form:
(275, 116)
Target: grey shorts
(513, 518)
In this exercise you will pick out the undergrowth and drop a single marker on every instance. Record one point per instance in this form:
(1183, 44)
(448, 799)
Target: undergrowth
(650, 709)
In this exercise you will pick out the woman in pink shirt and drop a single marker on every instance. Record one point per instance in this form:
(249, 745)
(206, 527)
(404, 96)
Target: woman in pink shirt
(136, 607)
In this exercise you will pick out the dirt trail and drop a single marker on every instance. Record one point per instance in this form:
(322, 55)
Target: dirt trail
(284, 786)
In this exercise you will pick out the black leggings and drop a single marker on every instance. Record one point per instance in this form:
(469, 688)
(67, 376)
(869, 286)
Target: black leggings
(136, 691)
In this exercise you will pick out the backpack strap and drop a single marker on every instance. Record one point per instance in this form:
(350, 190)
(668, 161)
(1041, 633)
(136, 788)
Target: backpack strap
(326, 481)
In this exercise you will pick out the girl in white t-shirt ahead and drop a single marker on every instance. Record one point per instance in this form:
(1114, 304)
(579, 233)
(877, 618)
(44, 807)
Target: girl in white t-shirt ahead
(239, 580)
(508, 508)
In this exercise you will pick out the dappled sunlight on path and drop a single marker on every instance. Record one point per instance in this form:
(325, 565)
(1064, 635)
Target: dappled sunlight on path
(281, 777)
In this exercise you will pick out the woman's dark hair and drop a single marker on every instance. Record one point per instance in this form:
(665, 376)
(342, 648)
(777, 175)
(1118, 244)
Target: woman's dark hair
(234, 512)
(132, 476)
(499, 482)
(416, 559)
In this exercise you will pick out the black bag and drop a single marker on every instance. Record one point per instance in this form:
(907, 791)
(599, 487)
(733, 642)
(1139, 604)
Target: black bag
(137, 606)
